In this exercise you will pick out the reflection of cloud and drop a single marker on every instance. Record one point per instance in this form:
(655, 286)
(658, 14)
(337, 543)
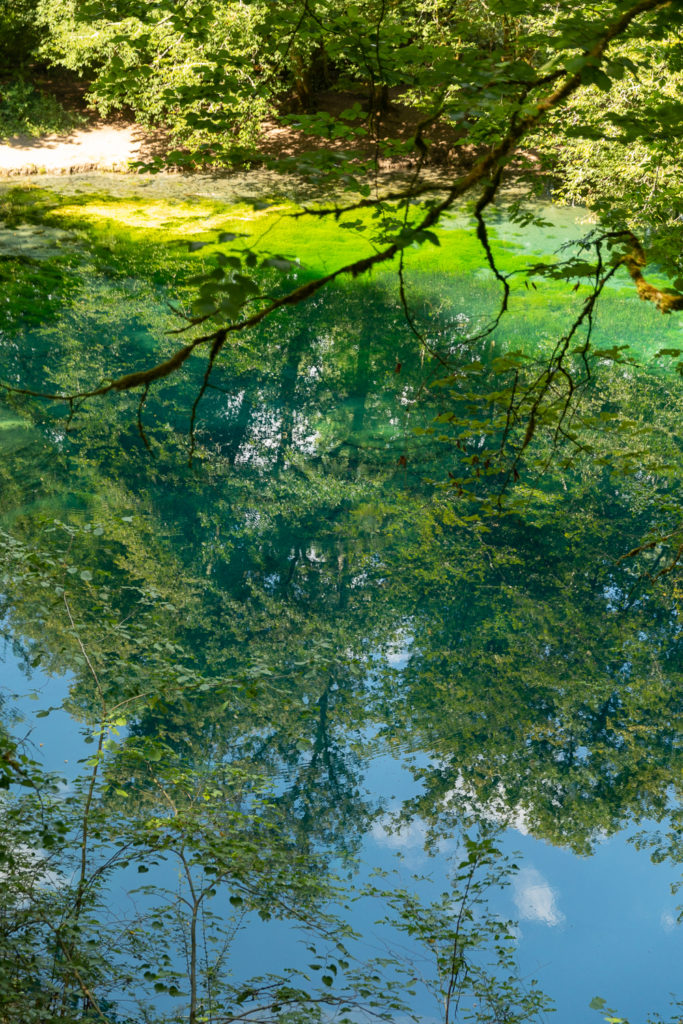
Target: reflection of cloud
(408, 840)
(398, 659)
(497, 809)
(30, 873)
(518, 820)
(398, 654)
(668, 921)
(535, 899)
(404, 838)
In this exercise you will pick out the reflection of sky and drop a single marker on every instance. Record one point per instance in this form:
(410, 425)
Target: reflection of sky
(602, 925)
(58, 738)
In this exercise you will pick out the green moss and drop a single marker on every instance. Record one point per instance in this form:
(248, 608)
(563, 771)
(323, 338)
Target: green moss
(136, 236)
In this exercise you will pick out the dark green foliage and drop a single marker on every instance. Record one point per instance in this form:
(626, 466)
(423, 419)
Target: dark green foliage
(26, 111)
(19, 33)
(231, 629)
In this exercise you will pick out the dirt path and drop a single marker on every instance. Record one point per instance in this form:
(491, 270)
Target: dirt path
(101, 147)
(111, 146)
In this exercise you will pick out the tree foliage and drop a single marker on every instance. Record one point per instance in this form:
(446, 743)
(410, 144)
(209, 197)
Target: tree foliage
(407, 527)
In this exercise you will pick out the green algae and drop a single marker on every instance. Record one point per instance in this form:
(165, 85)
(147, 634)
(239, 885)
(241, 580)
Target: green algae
(149, 238)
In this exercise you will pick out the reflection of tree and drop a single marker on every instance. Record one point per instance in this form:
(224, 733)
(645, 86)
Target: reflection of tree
(545, 676)
(267, 668)
(244, 609)
(302, 553)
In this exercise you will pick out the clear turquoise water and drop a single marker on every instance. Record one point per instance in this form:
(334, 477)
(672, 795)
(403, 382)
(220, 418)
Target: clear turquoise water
(313, 607)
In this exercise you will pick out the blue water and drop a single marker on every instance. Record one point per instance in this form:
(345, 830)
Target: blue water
(329, 601)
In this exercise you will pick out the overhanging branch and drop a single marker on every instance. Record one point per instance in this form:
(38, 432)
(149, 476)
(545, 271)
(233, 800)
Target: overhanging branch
(487, 169)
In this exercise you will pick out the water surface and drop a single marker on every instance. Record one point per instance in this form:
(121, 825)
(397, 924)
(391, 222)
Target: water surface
(332, 626)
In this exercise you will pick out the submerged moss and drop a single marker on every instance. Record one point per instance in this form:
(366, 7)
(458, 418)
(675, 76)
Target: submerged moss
(149, 238)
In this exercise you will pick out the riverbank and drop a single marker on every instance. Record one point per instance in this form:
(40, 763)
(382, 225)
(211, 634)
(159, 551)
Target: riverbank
(119, 145)
(97, 147)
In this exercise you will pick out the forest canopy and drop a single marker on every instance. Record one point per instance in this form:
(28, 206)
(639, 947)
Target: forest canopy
(462, 75)
(432, 510)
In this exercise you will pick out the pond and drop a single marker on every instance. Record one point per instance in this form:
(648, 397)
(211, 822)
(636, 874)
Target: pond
(342, 696)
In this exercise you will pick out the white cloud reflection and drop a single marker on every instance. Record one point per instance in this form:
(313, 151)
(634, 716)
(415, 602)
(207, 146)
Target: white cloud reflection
(535, 899)
(668, 920)
(407, 837)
